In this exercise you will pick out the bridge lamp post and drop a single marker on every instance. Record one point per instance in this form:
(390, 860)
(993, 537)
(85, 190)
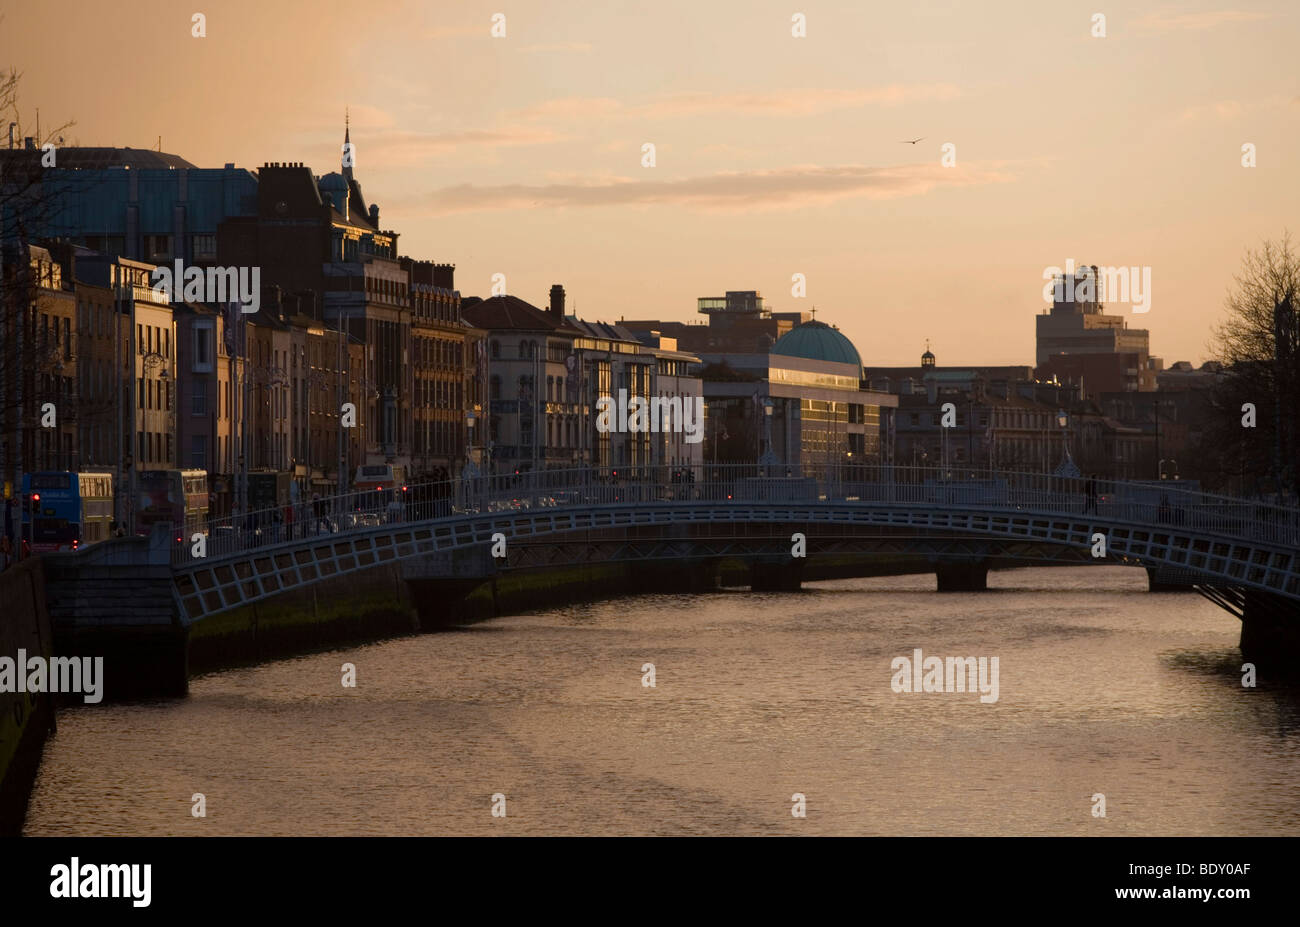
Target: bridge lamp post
(470, 471)
(1067, 462)
(768, 459)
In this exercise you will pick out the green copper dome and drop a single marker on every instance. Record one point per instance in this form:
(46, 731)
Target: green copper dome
(817, 341)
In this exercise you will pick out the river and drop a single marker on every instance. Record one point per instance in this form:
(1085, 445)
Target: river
(1103, 688)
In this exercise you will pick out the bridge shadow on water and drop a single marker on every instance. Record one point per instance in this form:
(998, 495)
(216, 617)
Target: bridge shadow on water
(1225, 666)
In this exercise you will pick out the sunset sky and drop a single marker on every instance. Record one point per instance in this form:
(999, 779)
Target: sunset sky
(775, 155)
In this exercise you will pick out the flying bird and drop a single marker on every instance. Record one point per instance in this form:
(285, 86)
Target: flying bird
(912, 141)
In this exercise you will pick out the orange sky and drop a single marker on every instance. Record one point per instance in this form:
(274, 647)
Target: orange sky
(775, 155)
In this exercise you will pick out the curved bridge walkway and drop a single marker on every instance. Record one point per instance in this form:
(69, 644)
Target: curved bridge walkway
(1229, 547)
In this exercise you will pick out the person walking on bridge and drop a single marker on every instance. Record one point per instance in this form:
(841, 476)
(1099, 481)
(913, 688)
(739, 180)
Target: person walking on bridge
(1090, 490)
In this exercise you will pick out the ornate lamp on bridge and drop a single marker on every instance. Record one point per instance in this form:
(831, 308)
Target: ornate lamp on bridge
(1067, 466)
(471, 470)
(768, 459)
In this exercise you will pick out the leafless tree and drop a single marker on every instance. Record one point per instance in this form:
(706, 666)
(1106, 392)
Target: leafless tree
(1259, 345)
(26, 204)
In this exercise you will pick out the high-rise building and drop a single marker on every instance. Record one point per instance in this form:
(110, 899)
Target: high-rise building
(1077, 342)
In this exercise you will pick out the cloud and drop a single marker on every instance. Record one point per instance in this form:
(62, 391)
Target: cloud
(775, 103)
(399, 149)
(1168, 21)
(782, 188)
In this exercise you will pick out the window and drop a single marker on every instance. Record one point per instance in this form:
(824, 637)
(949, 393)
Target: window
(202, 348)
(205, 246)
(67, 342)
(157, 246)
(199, 400)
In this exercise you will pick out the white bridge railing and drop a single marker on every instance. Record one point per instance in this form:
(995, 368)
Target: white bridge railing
(1165, 505)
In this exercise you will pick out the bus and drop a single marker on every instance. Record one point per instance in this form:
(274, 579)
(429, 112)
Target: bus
(379, 489)
(178, 497)
(378, 477)
(72, 509)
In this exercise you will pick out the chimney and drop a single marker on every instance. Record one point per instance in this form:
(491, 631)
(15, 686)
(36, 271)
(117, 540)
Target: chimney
(557, 302)
(374, 215)
(29, 143)
(444, 275)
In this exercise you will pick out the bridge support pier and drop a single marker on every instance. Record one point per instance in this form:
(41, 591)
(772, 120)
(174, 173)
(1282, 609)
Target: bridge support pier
(776, 577)
(1270, 633)
(962, 577)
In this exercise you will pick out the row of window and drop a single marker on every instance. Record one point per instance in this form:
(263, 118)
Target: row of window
(438, 306)
(50, 334)
(153, 339)
(1003, 419)
(159, 247)
(440, 438)
(154, 395)
(438, 352)
(152, 447)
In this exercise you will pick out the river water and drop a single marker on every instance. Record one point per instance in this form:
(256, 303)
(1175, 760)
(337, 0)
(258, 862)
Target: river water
(1103, 688)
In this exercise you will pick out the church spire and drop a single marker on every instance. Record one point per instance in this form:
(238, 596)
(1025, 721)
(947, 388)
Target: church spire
(347, 143)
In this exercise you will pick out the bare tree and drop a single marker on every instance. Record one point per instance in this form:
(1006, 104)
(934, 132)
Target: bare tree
(1258, 344)
(26, 205)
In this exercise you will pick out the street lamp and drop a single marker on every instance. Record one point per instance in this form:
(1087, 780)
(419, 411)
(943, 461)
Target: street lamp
(470, 471)
(1067, 466)
(768, 458)
(1156, 404)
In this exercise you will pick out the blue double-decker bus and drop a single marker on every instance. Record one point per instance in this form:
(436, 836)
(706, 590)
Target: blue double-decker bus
(68, 510)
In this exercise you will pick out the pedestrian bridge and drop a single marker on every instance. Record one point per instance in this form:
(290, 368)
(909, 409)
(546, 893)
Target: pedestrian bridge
(1229, 548)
